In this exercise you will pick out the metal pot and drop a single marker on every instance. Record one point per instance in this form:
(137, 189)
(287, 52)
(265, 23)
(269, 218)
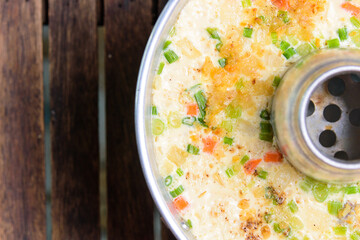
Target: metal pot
(149, 63)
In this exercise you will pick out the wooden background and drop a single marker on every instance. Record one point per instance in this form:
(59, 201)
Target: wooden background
(74, 122)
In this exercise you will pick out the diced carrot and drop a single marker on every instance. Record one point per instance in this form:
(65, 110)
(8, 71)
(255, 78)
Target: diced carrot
(273, 156)
(180, 203)
(251, 165)
(281, 4)
(192, 109)
(354, 10)
(209, 144)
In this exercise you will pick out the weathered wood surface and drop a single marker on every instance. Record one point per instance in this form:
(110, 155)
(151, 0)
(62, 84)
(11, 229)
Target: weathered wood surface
(74, 120)
(130, 208)
(22, 184)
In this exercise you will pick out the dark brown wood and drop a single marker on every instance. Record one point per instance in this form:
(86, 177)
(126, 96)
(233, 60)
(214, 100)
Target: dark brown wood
(130, 207)
(74, 120)
(22, 174)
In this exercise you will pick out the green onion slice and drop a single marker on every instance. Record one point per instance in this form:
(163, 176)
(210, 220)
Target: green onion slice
(179, 172)
(265, 127)
(293, 206)
(289, 53)
(233, 110)
(171, 56)
(351, 190)
(320, 192)
(161, 68)
(213, 33)
(264, 114)
(192, 149)
(342, 32)
(168, 180)
(334, 207)
(157, 126)
(284, 45)
(284, 16)
(244, 159)
(276, 81)
(154, 110)
(262, 174)
(166, 44)
(222, 62)
(274, 37)
(247, 32)
(304, 49)
(355, 21)
(246, 3)
(333, 43)
(188, 121)
(340, 230)
(228, 141)
(201, 102)
(179, 190)
(229, 172)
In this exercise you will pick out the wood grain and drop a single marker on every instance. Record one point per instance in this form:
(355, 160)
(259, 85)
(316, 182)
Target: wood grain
(74, 120)
(130, 207)
(22, 173)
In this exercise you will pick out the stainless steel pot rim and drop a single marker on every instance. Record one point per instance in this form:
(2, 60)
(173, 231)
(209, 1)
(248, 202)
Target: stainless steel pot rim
(355, 164)
(140, 125)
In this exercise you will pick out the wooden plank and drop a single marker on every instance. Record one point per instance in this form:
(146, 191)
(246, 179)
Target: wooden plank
(74, 120)
(130, 207)
(22, 172)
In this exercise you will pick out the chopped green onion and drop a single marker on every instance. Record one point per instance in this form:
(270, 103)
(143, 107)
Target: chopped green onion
(293, 41)
(179, 190)
(227, 125)
(228, 141)
(172, 32)
(293, 206)
(265, 127)
(166, 44)
(267, 217)
(201, 102)
(244, 159)
(284, 45)
(171, 56)
(188, 121)
(355, 236)
(334, 189)
(239, 84)
(218, 46)
(174, 120)
(161, 68)
(333, 43)
(168, 180)
(262, 174)
(246, 3)
(229, 172)
(355, 22)
(307, 184)
(334, 207)
(266, 137)
(233, 110)
(289, 53)
(179, 172)
(202, 122)
(247, 32)
(340, 230)
(154, 110)
(222, 62)
(192, 149)
(320, 192)
(276, 81)
(189, 224)
(193, 87)
(157, 126)
(355, 37)
(264, 114)
(304, 49)
(351, 190)
(342, 32)
(274, 37)
(262, 18)
(284, 16)
(277, 228)
(213, 33)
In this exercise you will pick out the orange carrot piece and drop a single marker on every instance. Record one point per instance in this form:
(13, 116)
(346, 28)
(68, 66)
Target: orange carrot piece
(180, 203)
(281, 4)
(192, 109)
(354, 10)
(209, 144)
(273, 156)
(251, 165)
